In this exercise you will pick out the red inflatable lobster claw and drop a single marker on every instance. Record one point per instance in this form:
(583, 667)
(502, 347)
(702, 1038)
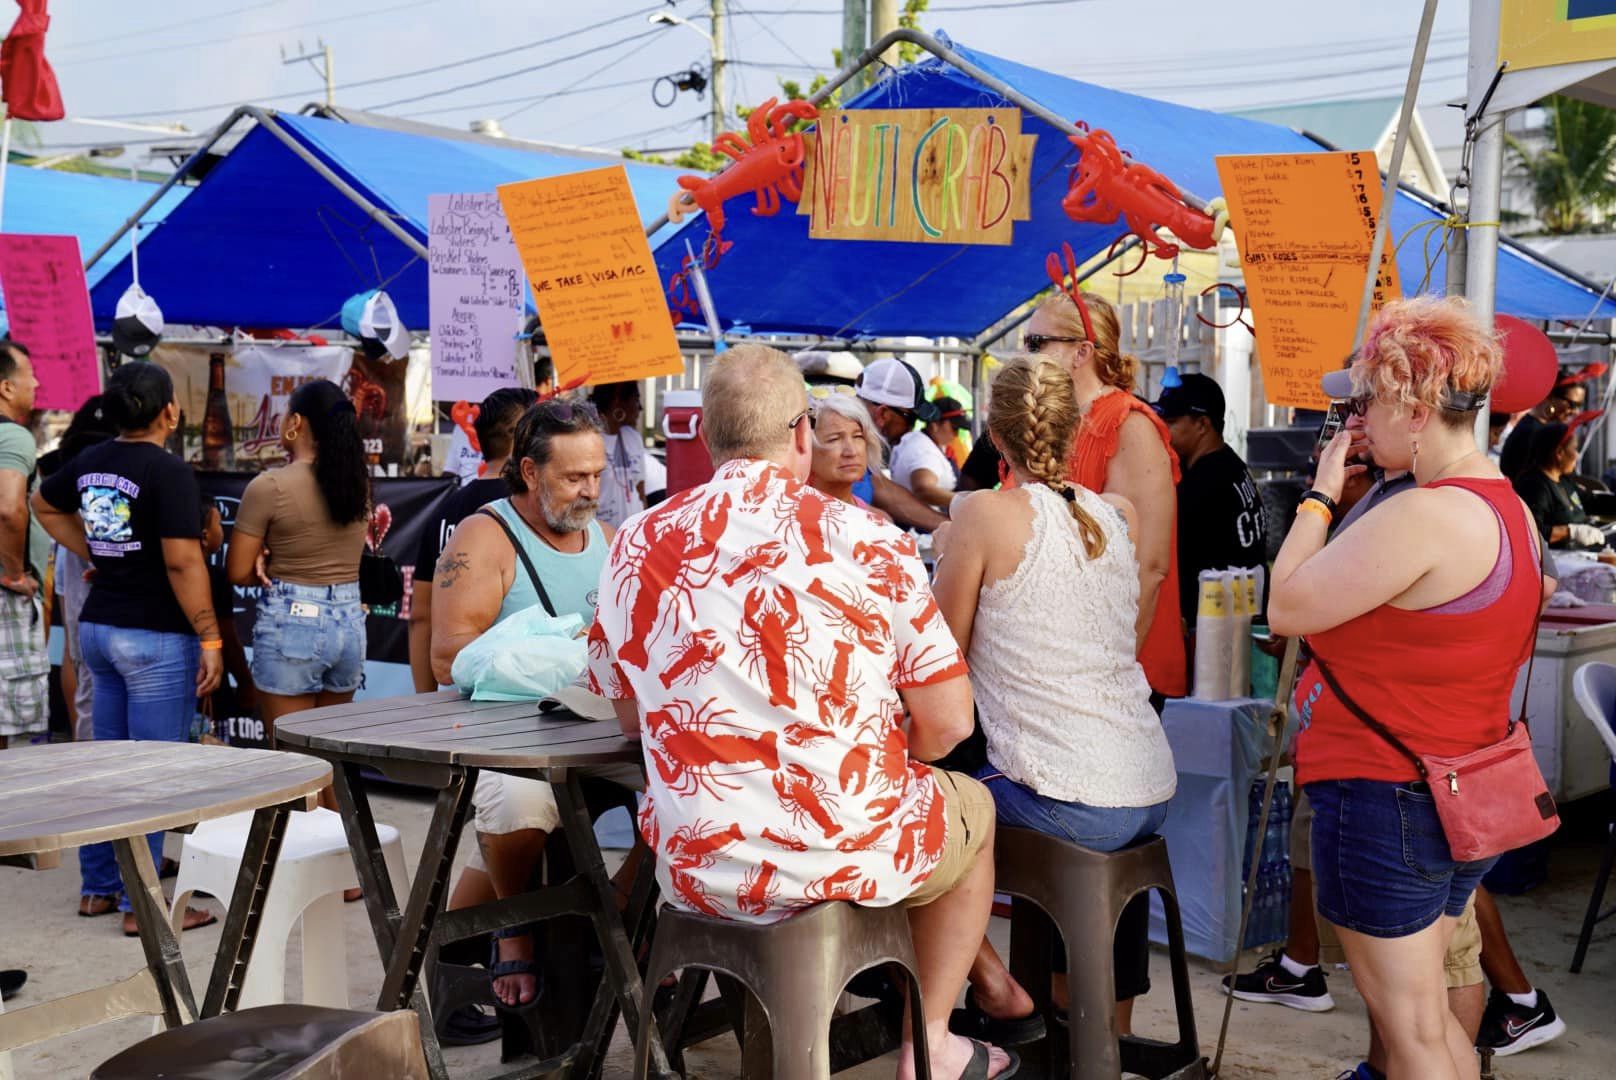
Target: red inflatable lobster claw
(1106, 184)
(767, 163)
(464, 414)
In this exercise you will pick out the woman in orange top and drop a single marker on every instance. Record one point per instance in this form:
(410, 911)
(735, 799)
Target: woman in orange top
(1122, 449)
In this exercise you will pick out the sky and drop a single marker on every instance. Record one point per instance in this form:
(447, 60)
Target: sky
(190, 61)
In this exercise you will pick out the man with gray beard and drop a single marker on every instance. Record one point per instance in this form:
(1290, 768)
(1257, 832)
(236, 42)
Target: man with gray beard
(541, 545)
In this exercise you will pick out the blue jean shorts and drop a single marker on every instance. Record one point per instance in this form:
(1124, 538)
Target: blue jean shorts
(309, 639)
(1381, 860)
(1098, 828)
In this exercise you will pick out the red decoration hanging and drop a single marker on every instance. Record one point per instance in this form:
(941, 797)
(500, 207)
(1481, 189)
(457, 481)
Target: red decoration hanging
(27, 83)
(768, 166)
(1106, 184)
(464, 414)
(681, 290)
(1065, 279)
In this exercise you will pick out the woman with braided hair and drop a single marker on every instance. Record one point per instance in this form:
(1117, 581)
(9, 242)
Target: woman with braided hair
(1073, 746)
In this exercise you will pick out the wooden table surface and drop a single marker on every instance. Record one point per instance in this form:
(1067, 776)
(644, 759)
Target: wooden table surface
(446, 729)
(65, 795)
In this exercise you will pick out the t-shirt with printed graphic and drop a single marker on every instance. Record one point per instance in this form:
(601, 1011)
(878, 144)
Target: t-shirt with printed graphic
(131, 496)
(766, 630)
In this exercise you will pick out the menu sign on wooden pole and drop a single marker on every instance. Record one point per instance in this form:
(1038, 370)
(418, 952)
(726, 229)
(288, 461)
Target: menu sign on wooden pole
(475, 296)
(600, 302)
(922, 176)
(1305, 224)
(48, 306)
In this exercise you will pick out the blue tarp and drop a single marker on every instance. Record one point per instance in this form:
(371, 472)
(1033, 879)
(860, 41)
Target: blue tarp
(265, 241)
(74, 204)
(777, 279)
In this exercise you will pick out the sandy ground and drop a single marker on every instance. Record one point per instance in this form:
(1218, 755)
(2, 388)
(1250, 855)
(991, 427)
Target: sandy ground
(40, 931)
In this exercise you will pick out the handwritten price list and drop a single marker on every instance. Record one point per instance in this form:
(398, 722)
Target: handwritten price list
(48, 306)
(1305, 224)
(475, 296)
(600, 302)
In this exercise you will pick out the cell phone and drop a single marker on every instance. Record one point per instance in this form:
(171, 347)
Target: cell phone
(1334, 420)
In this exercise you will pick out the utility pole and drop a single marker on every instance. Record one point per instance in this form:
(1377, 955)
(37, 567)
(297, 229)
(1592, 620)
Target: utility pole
(715, 80)
(322, 62)
(883, 20)
(855, 38)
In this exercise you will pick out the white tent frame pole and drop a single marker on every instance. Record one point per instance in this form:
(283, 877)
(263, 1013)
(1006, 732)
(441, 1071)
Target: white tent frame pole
(1487, 163)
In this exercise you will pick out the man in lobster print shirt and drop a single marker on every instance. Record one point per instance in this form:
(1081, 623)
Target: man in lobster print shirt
(766, 642)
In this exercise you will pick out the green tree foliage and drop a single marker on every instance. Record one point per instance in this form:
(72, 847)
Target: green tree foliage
(1573, 177)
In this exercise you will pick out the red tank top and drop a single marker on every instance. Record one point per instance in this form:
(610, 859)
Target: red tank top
(1162, 654)
(1440, 680)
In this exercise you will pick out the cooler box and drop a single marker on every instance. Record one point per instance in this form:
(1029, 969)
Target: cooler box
(689, 464)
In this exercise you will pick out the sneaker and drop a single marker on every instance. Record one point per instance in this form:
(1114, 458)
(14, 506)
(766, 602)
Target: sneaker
(1361, 1071)
(1508, 1028)
(1272, 983)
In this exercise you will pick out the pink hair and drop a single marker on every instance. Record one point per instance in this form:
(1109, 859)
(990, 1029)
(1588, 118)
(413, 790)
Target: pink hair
(1417, 350)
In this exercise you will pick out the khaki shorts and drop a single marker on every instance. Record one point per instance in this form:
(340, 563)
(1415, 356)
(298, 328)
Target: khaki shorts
(502, 803)
(969, 807)
(1462, 965)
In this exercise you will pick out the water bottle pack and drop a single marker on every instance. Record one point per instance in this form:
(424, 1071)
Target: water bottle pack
(1270, 911)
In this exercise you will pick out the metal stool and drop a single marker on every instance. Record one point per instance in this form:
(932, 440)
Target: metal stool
(279, 1042)
(1084, 892)
(795, 969)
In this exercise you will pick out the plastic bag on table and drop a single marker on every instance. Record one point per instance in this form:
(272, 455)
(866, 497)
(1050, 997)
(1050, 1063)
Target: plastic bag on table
(526, 657)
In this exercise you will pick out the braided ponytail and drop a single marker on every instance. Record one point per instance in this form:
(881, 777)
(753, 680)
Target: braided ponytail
(1033, 418)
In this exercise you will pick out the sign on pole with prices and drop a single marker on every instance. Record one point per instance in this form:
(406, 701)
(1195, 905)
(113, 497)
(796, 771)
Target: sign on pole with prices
(1304, 224)
(920, 176)
(48, 307)
(475, 296)
(601, 304)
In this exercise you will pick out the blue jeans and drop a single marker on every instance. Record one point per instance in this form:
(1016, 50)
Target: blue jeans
(309, 639)
(145, 688)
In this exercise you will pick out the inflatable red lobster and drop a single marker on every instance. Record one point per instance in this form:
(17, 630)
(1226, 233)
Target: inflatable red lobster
(1106, 184)
(768, 166)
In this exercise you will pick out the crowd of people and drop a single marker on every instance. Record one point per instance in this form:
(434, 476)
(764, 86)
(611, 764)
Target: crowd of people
(824, 717)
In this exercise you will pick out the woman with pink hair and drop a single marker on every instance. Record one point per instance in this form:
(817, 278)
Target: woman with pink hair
(1418, 617)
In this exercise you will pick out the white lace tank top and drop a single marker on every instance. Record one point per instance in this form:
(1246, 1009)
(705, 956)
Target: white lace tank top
(1062, 698)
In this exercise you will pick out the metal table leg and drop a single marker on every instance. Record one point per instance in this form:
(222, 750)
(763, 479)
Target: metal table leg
(240, 933)
(157, 939)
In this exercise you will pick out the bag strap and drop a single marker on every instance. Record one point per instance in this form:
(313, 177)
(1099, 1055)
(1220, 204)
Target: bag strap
(527, 563)
(1369, 721)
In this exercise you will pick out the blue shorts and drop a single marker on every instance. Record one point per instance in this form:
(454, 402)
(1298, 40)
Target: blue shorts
(1098, 828)
(309, 639)
(1381, 860)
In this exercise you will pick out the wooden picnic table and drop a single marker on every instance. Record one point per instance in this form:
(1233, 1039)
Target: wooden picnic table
(442, 740)
(67, 795)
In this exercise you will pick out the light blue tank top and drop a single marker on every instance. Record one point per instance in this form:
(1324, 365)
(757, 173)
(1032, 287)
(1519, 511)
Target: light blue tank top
(571, 580)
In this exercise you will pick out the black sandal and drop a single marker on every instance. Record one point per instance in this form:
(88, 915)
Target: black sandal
(977, 1067)
(499, 969)
(975, 1024)
(469, 1025)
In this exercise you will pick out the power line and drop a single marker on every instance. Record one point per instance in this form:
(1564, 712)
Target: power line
(1282, 80)
(620, 139)
(615, 61)
(569, 92)
(56, 49)
(767, 29)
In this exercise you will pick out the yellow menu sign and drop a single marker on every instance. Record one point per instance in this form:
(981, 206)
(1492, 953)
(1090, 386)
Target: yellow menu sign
(940, 176)
(1305, 224)
(600, 301)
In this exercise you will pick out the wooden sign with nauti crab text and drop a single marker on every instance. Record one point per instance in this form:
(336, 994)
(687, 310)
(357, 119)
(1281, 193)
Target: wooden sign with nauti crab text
(920, 176)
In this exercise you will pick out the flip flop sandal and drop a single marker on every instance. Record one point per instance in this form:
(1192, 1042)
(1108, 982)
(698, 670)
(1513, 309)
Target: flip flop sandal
(90, 907)
(498, 969)
(469, 1025)
(208, 919)
(977, 1067)
(973, 1023)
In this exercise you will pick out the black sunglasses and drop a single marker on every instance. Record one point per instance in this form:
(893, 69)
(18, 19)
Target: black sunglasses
(1035, 343)
(1358, 405)
(806, 414)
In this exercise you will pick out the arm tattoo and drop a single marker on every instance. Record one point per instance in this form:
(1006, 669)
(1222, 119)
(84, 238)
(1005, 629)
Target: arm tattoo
(205, 624)
(449, 569)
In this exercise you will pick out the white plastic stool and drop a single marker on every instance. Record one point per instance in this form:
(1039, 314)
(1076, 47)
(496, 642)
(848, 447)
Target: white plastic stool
(311, 873)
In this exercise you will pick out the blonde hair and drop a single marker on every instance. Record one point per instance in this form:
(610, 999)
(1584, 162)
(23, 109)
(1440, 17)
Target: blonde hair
(748, 400)
(1417, 350)
(851, 408)
(1033, 417)
(1114, 367)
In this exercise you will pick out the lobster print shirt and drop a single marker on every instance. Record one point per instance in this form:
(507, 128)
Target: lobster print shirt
(766, 630)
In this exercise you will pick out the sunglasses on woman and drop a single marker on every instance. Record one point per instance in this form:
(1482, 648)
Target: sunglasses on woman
(1034, 343)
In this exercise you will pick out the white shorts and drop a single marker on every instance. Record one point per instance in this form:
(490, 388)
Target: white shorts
(502, 803)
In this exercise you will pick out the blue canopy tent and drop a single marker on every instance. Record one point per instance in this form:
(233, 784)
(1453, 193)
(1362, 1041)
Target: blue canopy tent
(75, 204)
(776, 279)
(305, 211)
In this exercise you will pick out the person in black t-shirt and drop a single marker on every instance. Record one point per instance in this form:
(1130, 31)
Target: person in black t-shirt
(148, 630)
(1563, 402)
(1554, 502)
(1220, 514)
(496, 420)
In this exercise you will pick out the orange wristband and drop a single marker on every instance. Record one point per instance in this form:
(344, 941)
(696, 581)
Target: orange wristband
(213, 646)
(1313, 506)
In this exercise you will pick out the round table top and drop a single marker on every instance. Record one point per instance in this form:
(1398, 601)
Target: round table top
(65, 795)
(444, 728)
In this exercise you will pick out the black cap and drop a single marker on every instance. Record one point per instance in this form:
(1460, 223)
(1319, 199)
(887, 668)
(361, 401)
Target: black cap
(1195, 395)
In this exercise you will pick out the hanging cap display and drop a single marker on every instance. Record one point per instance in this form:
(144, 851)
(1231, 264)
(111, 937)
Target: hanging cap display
(371, 317)
(137, 324)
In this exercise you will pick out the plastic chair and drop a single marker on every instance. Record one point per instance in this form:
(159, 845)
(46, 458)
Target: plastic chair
(311, 873)
(279, 1042)
(1084, 892)
(1594, 687)
(795, 969)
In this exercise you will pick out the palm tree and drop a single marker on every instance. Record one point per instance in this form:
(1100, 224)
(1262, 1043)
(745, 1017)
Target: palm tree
(1574, 175)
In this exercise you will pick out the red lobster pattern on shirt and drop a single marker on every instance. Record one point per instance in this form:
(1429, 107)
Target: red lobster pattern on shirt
(765, 631)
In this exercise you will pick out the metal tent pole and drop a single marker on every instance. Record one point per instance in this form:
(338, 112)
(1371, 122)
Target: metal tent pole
(1487, 162)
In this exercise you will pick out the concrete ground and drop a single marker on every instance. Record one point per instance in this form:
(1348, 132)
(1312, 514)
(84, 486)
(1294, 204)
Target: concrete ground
(40, 931)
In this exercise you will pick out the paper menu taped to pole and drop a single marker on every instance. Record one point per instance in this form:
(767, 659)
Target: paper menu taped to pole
(601, 304)
(1304, 224)
(475, 296)
(48, 308)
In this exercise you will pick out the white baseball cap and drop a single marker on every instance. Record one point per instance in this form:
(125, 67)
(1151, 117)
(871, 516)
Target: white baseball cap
(372, 318)
(137, 324)
(893, 383)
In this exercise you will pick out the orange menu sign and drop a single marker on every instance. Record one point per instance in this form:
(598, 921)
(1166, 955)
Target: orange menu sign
(1305, 224)
(600, 301)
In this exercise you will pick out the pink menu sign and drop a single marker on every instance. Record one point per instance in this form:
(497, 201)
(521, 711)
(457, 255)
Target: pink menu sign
(48, 305)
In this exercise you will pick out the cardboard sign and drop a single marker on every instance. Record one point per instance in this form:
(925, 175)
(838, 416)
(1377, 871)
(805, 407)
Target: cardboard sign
(601, 304)
(48, 305)
(922, 176)
(474, 293)
(1305, 224)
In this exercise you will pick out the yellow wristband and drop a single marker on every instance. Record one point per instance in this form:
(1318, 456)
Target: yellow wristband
(212, 646)
(1313, 506)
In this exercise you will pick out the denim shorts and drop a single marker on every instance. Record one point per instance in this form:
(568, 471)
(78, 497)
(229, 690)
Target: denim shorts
(1098, 828)
(309, 639)
(1381, 861)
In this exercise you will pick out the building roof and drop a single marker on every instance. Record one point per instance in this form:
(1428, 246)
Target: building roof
(1350, 125)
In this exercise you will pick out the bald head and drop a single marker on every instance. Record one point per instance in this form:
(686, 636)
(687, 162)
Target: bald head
(749, 399)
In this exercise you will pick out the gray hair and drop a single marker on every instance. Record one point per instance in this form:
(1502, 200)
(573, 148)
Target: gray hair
(851, 408)
(538, 428)
(748, 400)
